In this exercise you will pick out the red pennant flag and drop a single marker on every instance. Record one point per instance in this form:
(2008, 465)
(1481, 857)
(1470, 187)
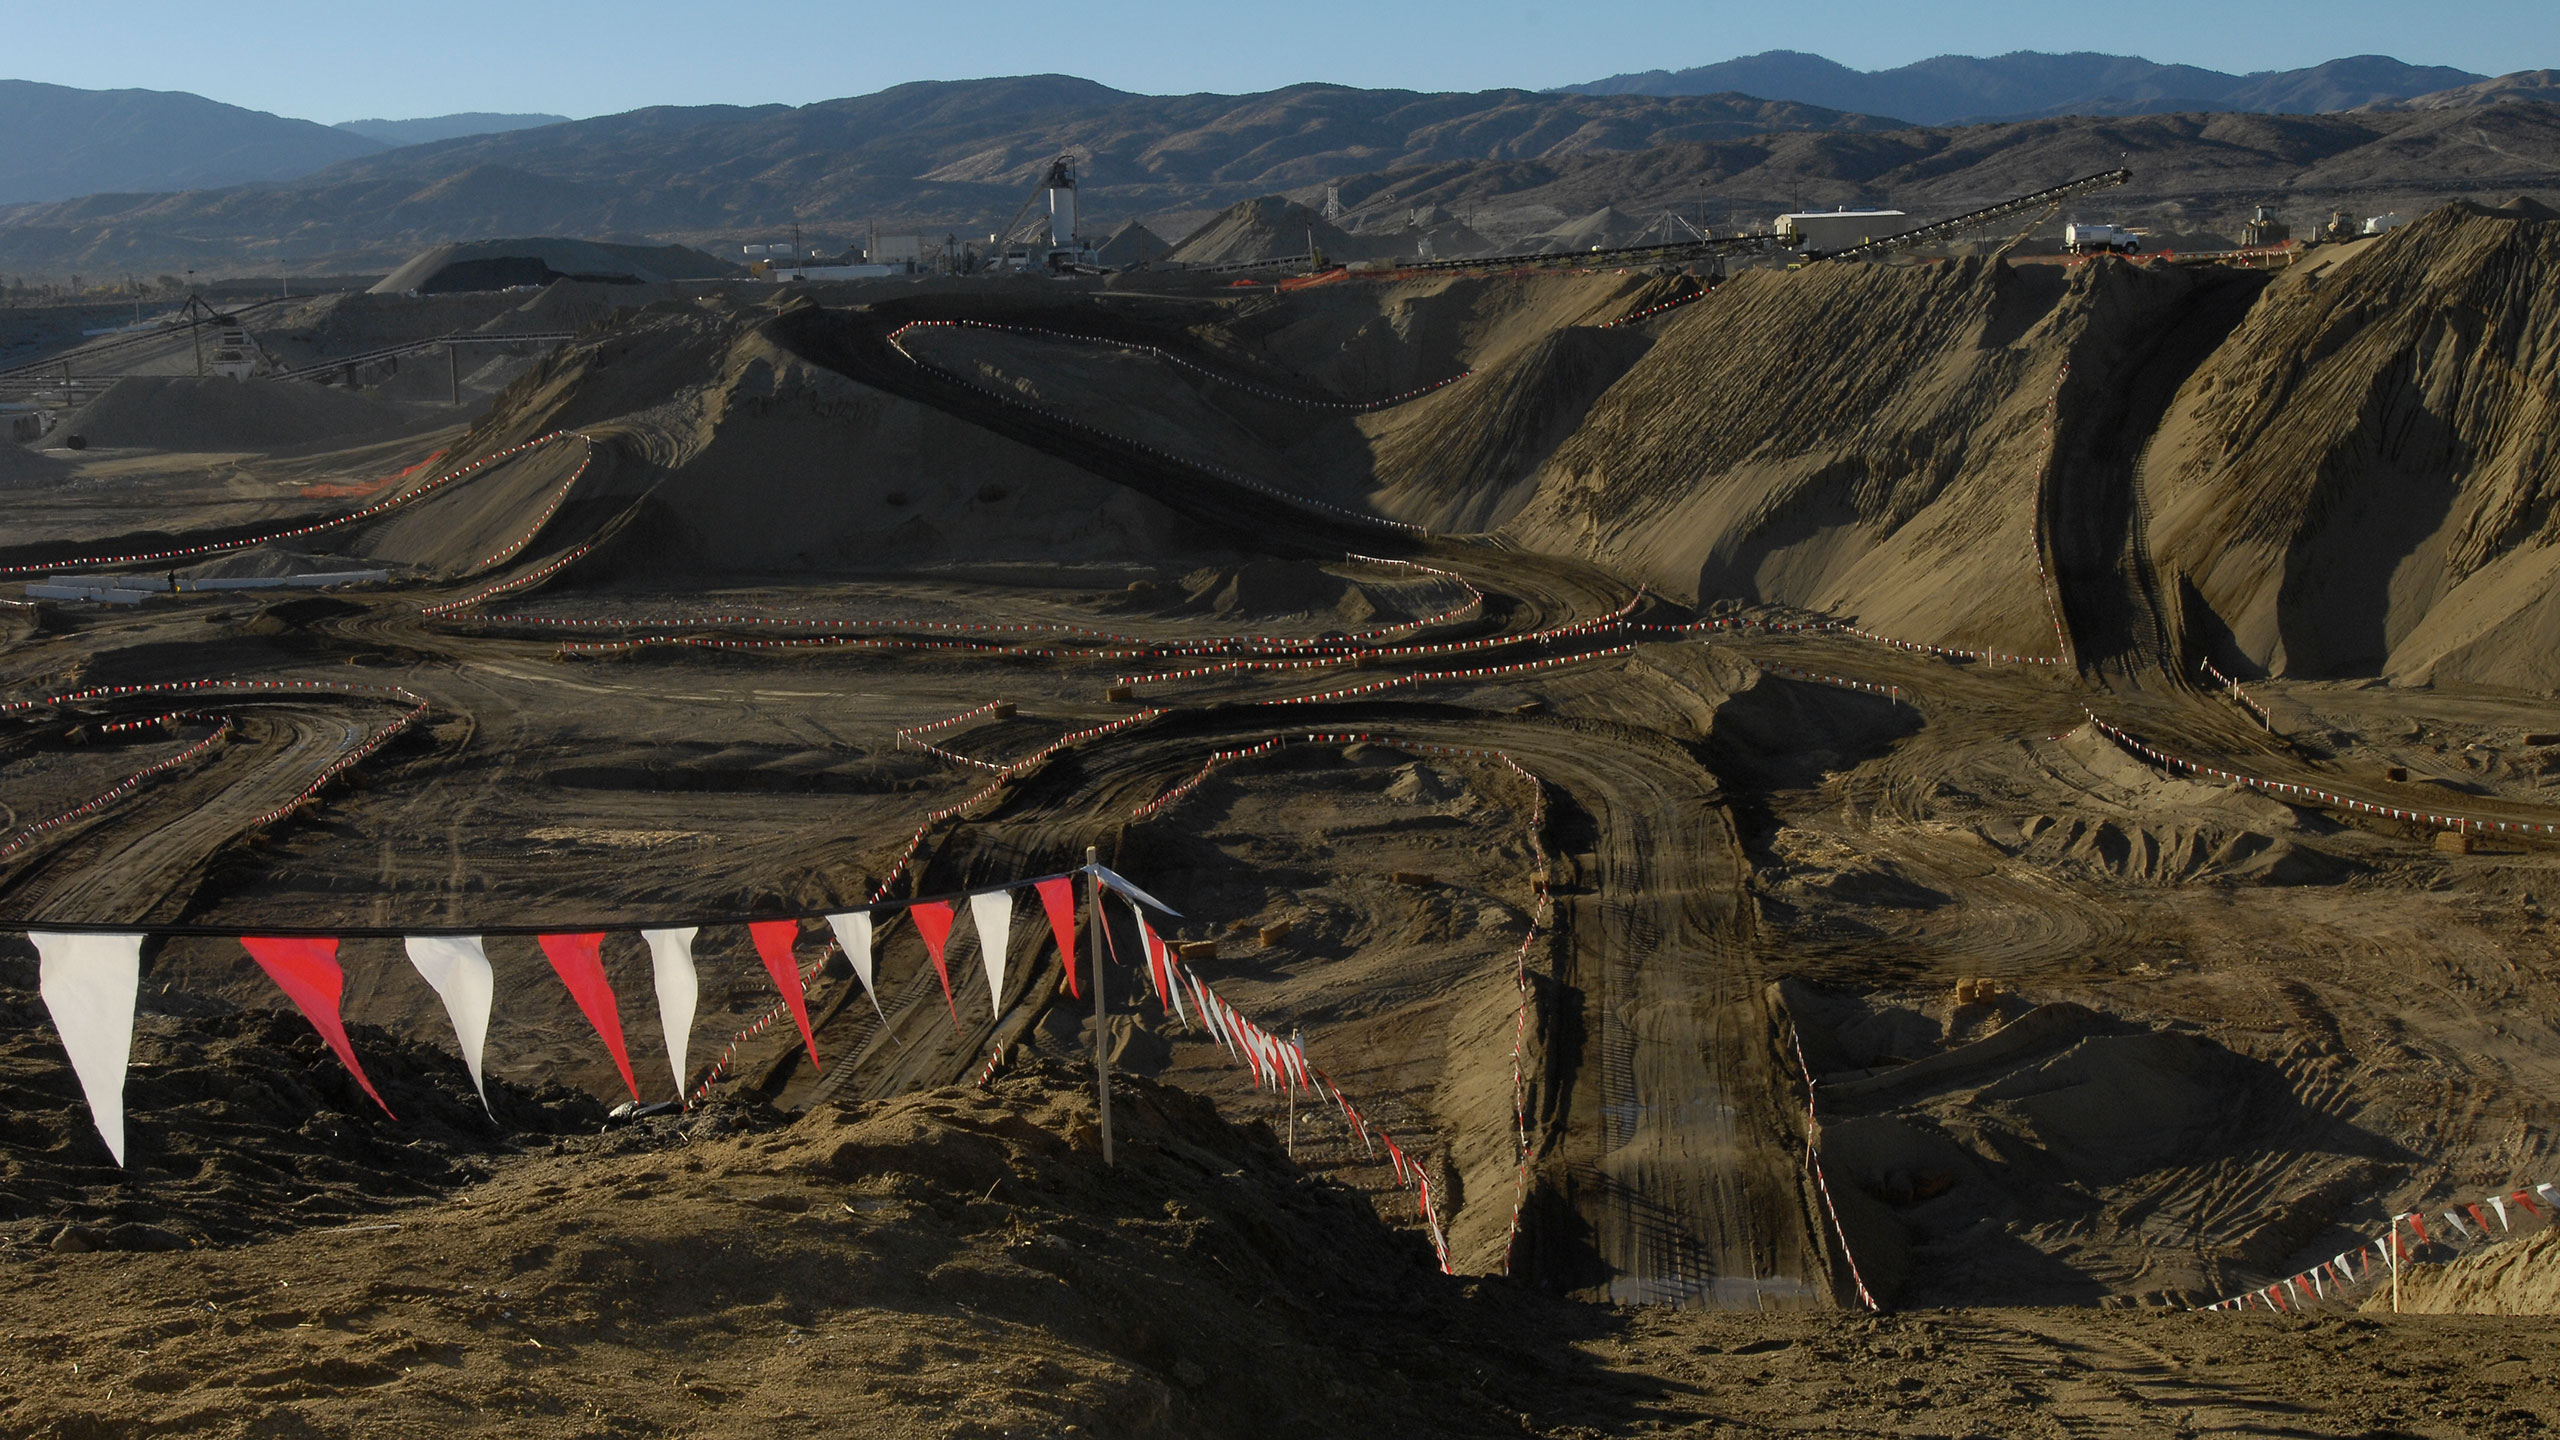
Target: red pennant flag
(2418, 1223)
(306, 970)
(933, 922)
(1161, 965)
(774, 939)
(1058, 897)
(2525, 1198)
(2482, 1218)
(579, 961)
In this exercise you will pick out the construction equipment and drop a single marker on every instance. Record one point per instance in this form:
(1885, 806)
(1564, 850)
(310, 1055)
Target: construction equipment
(1053, 246)
(2086, 239)
(1938, 232)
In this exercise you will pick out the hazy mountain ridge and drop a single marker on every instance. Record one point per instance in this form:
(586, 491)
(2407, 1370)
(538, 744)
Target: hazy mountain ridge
(959, 157)
(957, 153)
(64, 142)
(2029, 84)
(427, 129)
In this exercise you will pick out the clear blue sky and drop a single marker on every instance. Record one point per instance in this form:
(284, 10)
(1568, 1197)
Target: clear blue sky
(357, 59)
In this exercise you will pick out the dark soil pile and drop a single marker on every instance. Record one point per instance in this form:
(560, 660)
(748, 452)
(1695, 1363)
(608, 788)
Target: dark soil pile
(185, 412)
(242, 1124)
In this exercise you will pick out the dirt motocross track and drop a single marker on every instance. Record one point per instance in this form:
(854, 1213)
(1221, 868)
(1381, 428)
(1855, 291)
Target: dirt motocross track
(1677, 710)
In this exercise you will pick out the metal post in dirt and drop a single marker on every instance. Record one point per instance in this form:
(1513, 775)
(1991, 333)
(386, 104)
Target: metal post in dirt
(1101, 1035)
(453, 370)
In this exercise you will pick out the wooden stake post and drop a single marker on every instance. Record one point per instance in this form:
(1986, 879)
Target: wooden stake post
(1101, 1034)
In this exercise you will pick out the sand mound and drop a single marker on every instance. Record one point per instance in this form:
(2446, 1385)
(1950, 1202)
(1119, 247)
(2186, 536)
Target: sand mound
(1941, 1113)
(243, 1124)
(1465, 463)
(31, 469)
(2518, 1279)
(540, 260)
(723, 450)
(1268, 227)
(949, 1252)
(2361, 479)
(212, 414)
(1602, 229)
(1133, 244)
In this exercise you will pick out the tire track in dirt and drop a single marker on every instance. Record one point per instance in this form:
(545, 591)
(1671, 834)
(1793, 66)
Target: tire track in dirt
(1679, 1156)
(153, 849)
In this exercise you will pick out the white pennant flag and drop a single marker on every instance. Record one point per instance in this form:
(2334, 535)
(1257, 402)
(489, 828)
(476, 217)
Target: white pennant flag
(679, 992)
(853, 932)
(457, 968)
(993, 910)
(2499, 1204)
(88, 983)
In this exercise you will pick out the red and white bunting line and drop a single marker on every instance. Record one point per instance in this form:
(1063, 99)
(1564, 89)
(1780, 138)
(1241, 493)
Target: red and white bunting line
(2232, 688)
(1891, 692)
(1923, 647)
(1167, 356)
(1233, 477)
(172, 717)
(2466, 823)
(1612, 621)
(113, 793)
(342, 765)
(1152, 808)
(2375, 1260)
(452, 608)
(930, 727)
(210, 687)
(1542, 909)
(1141, 647)
(1004, 773)
(1429, 677)
(1648, 312)
(581, 649)
(1275, 1063)
(512, 548)
(1822, 1183)
(218, 547)
(2035, 536)
(207, 689)
(1541, 913)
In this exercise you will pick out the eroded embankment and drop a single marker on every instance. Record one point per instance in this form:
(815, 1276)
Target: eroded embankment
(2361, 478)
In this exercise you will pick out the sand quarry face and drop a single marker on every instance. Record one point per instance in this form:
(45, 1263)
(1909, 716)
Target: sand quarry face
(2093, 1042)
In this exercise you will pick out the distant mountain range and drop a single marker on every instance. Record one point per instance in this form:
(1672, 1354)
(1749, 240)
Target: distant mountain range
(57, 141)
(960, 156)
(941, 155)
(2027, 84)
(443, 127)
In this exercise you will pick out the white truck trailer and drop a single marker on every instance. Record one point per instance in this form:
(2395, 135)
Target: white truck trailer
(2100, 240)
